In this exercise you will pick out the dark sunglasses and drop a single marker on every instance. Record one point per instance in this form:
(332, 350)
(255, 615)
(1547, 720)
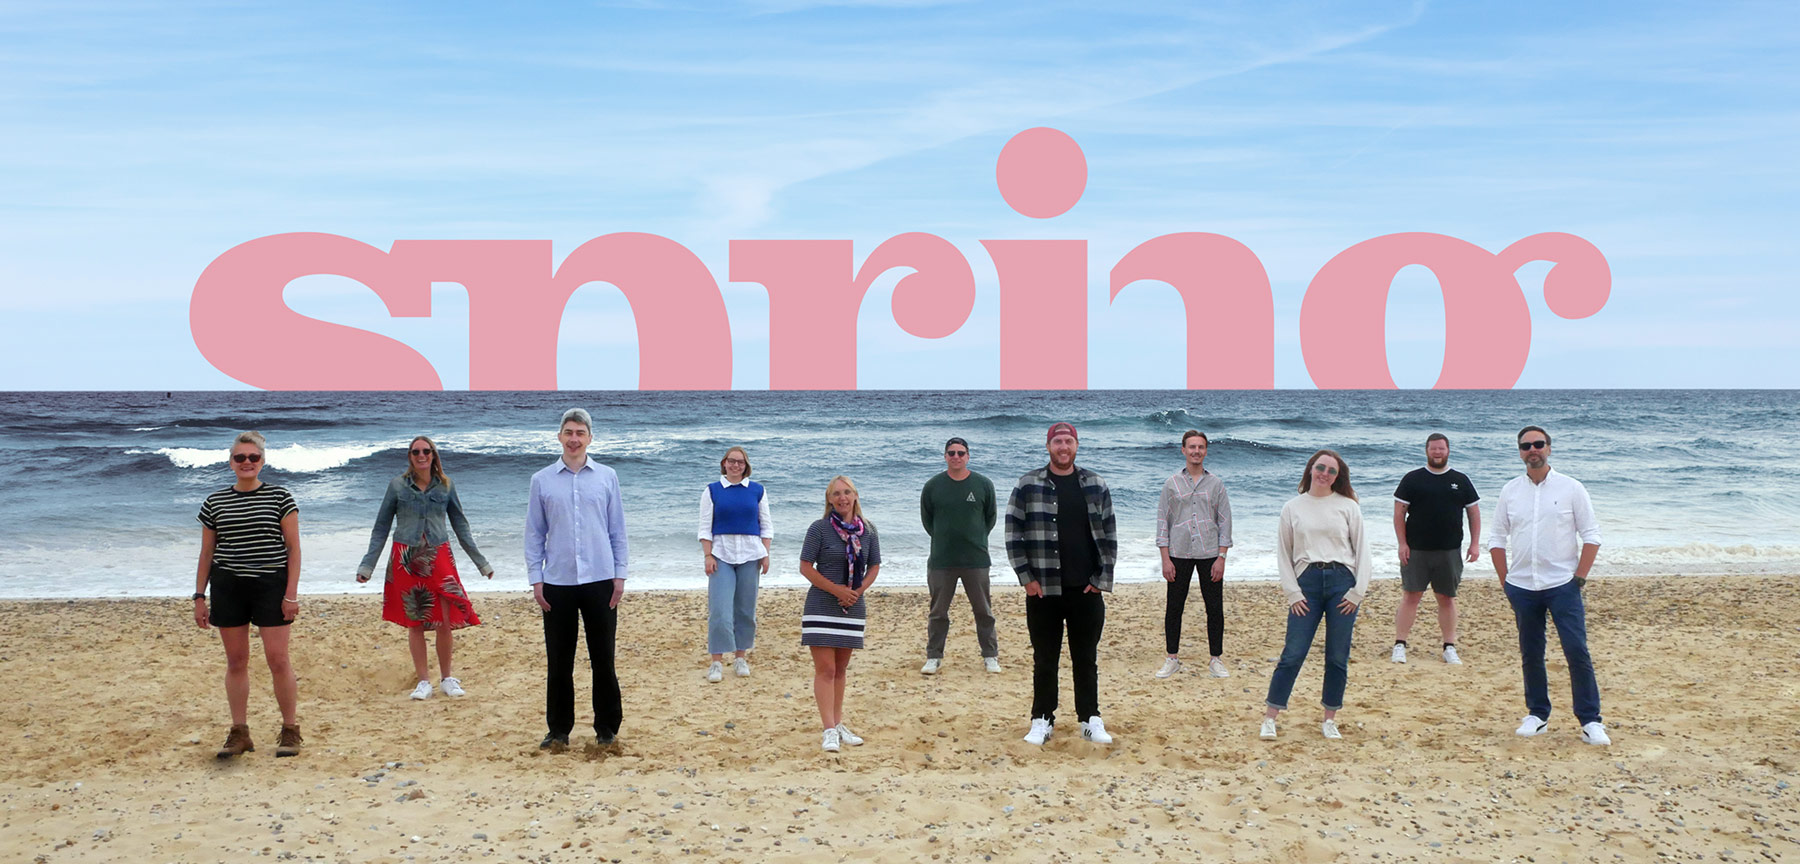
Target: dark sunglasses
(421, 451)
(1533, 445)
(1327, 469)
(956, 452)
(252, 458)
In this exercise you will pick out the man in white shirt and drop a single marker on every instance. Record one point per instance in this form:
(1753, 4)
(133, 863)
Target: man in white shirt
(1546, 521)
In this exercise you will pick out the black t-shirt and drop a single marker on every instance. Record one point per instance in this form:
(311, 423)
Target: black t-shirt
(1080, 558)
(1434, 507)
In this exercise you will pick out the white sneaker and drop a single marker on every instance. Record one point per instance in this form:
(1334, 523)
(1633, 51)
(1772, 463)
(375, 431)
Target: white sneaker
(716, 672)
(452, 688)
(992, 663)
(741, 667)
(1095, 731)
(1217, 667)
(848, 737)
(931, 666)
(1595, 733)
(829, 741)
(1170, 666)
(1040, 731)
(1450, 656)
(422, 692)
(1268, 729)
(1399, 653)
(1531, 725)
(1329, 728)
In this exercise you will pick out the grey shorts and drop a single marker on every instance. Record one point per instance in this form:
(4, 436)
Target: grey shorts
(1437, 569)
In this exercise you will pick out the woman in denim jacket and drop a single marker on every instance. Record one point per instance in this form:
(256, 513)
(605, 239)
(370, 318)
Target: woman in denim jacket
(422, 590)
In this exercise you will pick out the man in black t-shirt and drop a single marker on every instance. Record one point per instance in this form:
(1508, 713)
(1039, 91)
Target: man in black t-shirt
(1428, 511)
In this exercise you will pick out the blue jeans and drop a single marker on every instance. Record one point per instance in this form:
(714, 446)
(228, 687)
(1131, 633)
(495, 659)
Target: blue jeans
(1563, 604)
(1324, 588)
(731, 607)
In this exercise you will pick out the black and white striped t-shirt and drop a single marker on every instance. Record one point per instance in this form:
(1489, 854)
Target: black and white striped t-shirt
(249, 529)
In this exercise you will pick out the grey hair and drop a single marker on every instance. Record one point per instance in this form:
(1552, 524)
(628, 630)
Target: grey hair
(579, 415)
(252, 438)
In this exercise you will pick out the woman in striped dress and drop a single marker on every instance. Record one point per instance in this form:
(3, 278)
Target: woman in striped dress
(840, 557)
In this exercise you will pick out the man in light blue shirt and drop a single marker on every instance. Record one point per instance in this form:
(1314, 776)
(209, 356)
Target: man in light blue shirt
(575, 557)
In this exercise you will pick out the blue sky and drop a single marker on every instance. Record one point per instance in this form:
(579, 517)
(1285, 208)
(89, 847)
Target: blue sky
(138, 142)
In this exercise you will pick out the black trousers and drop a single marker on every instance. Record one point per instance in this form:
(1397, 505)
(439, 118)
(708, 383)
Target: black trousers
(570, 607)
(1084, 614)
(1211, 593)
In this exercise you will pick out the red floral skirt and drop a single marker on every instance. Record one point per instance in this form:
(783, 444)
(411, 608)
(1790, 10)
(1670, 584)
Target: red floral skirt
(423, 590)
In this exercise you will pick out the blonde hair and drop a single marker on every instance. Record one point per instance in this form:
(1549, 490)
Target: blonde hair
(437, 465)
(252, 438)
(855, 506)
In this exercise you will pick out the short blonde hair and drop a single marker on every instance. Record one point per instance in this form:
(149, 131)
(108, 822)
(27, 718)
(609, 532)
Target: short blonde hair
(252, 438)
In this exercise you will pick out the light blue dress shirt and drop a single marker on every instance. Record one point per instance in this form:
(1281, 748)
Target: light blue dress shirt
(575, 525)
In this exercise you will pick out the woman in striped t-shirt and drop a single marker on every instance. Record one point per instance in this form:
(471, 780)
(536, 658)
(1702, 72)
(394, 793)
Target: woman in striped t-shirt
(840, 557)
(250, 554)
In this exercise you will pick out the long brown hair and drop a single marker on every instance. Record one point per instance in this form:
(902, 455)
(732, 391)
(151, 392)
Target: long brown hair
(1341, 485)
(437, 465)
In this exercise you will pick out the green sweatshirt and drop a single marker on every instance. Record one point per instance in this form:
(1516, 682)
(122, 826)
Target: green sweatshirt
(959, 515)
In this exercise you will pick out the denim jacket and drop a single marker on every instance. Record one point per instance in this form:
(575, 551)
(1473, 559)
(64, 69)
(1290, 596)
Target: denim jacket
(410, 512)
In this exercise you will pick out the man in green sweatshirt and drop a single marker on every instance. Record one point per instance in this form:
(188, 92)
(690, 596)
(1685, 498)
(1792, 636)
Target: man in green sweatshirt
(958, 509)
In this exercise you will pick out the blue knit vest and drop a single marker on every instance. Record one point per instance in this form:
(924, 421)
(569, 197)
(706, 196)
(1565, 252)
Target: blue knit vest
(734, 508)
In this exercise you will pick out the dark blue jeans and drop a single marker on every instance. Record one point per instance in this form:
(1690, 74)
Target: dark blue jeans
(1563, 605)
(1324, 588)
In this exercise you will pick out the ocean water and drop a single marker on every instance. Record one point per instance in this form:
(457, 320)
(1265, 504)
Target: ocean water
(98, 491)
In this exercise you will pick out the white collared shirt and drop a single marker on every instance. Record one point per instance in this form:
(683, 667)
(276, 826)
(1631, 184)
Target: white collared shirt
(736, 548)
(1542, 527)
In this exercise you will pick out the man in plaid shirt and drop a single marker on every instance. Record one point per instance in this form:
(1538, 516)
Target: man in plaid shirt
(1062, 541)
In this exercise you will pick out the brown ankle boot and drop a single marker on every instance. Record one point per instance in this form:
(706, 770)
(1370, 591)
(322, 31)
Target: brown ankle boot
(237, 742)
(289, 743)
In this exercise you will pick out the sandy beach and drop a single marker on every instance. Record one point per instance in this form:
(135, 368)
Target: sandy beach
(113, 710)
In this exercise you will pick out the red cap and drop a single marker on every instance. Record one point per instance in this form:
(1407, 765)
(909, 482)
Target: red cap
(1060, 429)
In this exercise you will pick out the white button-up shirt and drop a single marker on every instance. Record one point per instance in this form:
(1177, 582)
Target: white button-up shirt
(735, 548)
(1542, 527)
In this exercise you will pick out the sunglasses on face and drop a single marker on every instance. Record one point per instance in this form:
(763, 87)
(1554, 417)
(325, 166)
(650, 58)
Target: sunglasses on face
(251, 458)
(1325, 469)
(421, 451)
(1533, 445)
(956, 454)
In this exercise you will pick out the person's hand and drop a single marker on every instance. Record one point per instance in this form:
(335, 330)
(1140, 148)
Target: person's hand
(845, 597)
(202, 618)
(537, 593)
(1299, 608)
(290, 608)
(1168, 570)
(489, 573)
(712, 565)
(1346, 607)
(1033, 589)
(763, 565)
(1218, 569)
(1406, 553)
(1474, 552)
(1089, 589)
(364, 577)
(618, 594)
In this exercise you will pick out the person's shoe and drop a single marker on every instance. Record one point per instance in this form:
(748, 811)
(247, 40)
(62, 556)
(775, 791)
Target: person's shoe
(829, 742)
(288, 744)
(716, 672)
(1450, 656)
(992, 664)
(1217, 668)
(1040, 731)
(1595, 733)
(554, 743)
(604, 739)
(1399, 652)
(1531, 725)
(1095, 731)
(422, 692)
(452, 688)
(1330, 730)
(741, 667)
(237, 742)
(1170, 666)
(848, 737)
(931, 666)
(1268, 729)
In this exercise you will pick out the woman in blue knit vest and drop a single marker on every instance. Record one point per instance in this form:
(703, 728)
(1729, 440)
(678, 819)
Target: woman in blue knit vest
(734, 537)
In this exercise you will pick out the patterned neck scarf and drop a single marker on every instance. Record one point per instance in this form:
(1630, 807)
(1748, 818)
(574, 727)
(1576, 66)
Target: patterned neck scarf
(852, 533)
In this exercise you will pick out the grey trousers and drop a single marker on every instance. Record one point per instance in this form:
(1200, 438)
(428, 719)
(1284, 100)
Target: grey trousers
(942, 583)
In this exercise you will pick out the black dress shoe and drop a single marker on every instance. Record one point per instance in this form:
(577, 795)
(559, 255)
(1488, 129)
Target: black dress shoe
(554, 743)
(605, 739)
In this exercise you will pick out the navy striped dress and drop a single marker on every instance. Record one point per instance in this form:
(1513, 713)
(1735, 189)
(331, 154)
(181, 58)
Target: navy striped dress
(823, 622)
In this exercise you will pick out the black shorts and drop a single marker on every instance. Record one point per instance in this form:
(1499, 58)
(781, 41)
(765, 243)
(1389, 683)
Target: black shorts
(240, 600)
(1437, 569)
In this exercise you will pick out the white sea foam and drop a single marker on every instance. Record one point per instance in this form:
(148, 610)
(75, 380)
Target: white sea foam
(294, 458)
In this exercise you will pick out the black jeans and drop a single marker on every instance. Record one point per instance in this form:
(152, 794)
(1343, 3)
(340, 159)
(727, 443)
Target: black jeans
(1085, 614)
(1211, 593)
(570, 606)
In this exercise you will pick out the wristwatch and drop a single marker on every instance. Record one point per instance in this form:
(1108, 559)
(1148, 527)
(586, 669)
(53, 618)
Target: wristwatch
(199, 595)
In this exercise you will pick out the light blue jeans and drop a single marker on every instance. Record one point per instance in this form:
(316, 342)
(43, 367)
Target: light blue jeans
(731, 607)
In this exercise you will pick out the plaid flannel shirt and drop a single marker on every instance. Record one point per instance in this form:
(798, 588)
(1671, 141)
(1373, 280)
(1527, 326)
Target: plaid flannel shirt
(1031, 529)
